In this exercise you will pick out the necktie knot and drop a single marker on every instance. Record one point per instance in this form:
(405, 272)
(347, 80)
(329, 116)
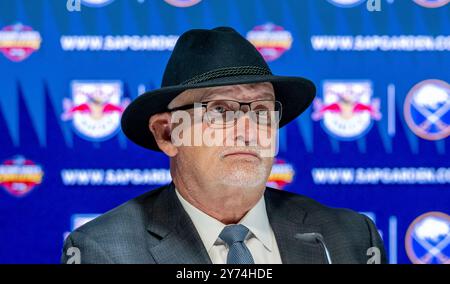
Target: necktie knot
(234, 233)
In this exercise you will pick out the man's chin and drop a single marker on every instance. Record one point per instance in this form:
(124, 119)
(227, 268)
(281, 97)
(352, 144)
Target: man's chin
(244, 179)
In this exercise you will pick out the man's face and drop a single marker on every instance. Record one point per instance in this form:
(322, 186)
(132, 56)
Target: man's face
(241, 164)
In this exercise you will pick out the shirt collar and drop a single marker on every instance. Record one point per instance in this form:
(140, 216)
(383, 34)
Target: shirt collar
(209, 229)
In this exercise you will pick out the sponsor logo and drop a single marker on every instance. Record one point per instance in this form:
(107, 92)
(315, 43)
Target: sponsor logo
(347, 110)
(183, 3)
(281, 175)
(19, 176)
(432, 3)
(427, 240)
(427, 109)
(346, 3)
(18, 42)
(96, 3)
(95, 109)
(270, 40)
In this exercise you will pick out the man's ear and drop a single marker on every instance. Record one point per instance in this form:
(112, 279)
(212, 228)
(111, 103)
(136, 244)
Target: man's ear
(160, 125)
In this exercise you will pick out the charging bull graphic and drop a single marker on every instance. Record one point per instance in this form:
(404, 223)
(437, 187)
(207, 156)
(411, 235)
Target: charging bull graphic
(347, 109)
(95, 109)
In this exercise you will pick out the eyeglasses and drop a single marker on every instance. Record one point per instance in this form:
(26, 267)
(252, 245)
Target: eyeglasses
(225, 113)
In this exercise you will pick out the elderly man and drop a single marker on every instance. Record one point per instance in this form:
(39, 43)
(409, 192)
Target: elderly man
(218, 209)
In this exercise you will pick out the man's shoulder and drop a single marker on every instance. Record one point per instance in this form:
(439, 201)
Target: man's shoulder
(348, 234)
(135, 212)
(131, 214)
(313, 209)
(117, 236)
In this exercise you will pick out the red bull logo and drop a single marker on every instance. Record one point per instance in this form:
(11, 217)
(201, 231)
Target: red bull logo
(95, 109)
(270, 40)
(347, 109)
(281, 175)
(18, 42)
(19, 176)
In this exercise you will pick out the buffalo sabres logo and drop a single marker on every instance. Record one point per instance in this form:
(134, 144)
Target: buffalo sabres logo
(427, 240)
(95, 109)
(347, 110)
(427, 109)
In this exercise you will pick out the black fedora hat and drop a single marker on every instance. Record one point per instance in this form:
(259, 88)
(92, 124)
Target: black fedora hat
(209, 58)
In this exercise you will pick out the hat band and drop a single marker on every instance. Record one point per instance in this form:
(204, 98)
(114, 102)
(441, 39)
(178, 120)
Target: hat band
(227, 72)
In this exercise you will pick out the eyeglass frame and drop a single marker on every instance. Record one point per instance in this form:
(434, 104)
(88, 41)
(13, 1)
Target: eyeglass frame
(205, 103)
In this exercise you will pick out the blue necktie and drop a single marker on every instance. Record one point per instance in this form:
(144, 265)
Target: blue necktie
(234, 236)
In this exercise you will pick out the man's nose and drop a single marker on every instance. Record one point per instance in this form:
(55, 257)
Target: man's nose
(247, 128)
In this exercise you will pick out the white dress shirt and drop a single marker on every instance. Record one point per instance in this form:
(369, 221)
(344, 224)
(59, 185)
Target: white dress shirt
(260, 240)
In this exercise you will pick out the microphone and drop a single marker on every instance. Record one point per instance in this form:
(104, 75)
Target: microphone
(315, 238)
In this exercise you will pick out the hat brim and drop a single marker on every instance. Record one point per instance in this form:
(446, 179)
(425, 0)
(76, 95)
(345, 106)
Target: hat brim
(294, 93)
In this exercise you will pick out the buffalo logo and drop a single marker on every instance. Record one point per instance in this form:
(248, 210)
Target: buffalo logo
(281, 175)
(427, 240)
(347, 110)
(18, 42)
(270, 40)
(183, 3)
(19, 176)
(95, 109)
(426, 109)
(432, 3)
(346, 3)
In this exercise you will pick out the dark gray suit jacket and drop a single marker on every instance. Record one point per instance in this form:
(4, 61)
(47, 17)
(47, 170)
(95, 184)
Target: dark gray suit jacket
(154, 228)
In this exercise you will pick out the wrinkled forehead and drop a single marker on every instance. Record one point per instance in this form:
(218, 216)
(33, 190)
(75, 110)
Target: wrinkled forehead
(244, 92)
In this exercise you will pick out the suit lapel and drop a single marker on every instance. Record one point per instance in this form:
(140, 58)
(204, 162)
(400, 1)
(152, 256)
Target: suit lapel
(179, 240)
(288, 220)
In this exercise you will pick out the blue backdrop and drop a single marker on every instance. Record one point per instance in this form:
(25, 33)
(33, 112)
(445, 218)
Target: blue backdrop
(375, 139)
